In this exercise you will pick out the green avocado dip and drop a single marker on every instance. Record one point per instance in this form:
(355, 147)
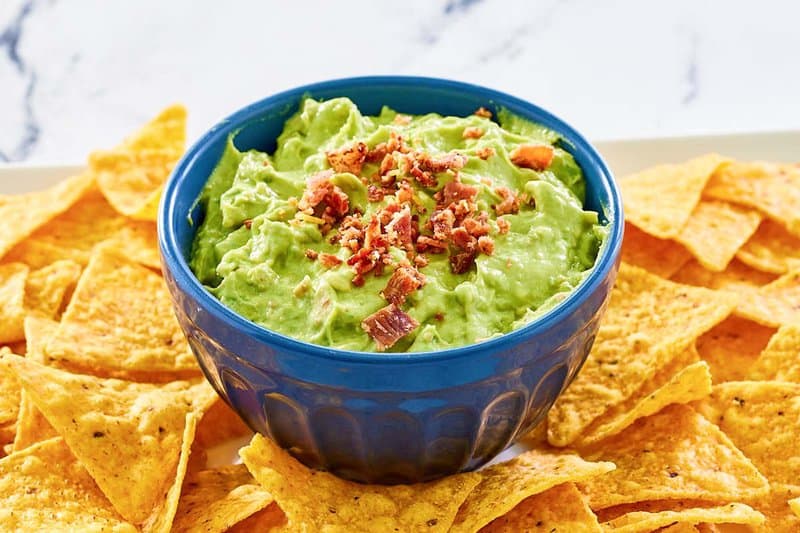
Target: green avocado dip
(396, 232)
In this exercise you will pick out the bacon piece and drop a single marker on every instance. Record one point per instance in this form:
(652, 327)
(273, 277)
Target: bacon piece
(388, 164)
(472, 132)
(248, 223)
(397, 143)
(399, 231)
(375, 194)
(404, 194)
(376, 154)
(426, 179)
(324, 200)
(404, 281)
(455, 191)
(351, 233)
(503, 226)
(311, 254)
(483, 112)
(401, 119)
(462, 239)
(329, 260)
(461, 262)
(348, 159)
(385, 215)
(477, 226)
(372, 235)
(442, 222)
(431, 245)
(486, 245)
(420, 261)
(317, 187)
(485, 153)
(533, 156)
(441, 163)
(510, 202)
(388, 325)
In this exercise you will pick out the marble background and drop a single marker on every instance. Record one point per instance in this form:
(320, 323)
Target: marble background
(80, 74)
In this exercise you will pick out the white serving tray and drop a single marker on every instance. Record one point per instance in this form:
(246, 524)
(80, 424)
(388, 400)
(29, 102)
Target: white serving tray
(623, 156)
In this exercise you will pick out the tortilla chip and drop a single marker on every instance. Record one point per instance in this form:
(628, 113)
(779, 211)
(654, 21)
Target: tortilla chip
(120, 323)
(773, 189)
(127, 435)
(316, 500)
(12, 301)
(771, 248)
(675, 454)
(680, 527)
(644, 522)
(72, 235)
(9, 397)
(138, 241)
(780, 360)
(661, 199)
(774, 304)
(44, 488)
(649, 322)
(264, 520)
(693, 382)
(662, 257)
(46, 287)
(504, 485)
(776, 507)
(761, 418)
(731, 347)
(716, 230)
(32, 426)
(561, 508)
(163, 515)
(216, 500)
(21, 214)
(220, 423)
(794, 504)
(737, 277)
(132, 174)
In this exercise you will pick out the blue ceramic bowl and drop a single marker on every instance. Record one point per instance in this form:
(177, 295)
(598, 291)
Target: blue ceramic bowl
(396, 417)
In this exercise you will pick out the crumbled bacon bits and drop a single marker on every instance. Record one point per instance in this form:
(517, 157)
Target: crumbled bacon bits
(404, 281)
(323, 200)
(388, 325)
(472, 132)
(510, 202)
(348, 159)
(533, 156)
(483, 112)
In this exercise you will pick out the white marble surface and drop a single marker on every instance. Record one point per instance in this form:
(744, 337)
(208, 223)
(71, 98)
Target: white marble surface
(79, 74)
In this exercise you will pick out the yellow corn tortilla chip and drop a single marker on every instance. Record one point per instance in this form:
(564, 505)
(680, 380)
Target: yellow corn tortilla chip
(32, 426)
(127, 435)
(503, 486)
(693, 382)
(794, 504)
(163, 514)
(649, 322)
(774, 304)
(780, 360)
(761, 418)
(9, 396)
(138, 240)
(776, 507)
(773, 189)
(716, 230)
(44, 488)
(120, 323)
(216, 500)
(561, 508)
(737, 277)
(132, 174)
(319, 501)
(680, 527)
(20, 215)
(45, 288)
(675, 454)
(71, 235)
(660, 200)
(644, 522)
(662, 257)
(771, 248)
(219, 424)
(269, 519)
(12, 301)
(731, 347)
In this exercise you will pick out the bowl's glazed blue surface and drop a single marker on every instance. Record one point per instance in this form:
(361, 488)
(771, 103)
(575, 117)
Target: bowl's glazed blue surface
(372, 417)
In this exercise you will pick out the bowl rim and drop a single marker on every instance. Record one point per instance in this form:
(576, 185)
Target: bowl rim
(184, 278)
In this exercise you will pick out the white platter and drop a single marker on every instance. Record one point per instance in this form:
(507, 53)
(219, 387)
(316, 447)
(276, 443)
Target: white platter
(623, 156)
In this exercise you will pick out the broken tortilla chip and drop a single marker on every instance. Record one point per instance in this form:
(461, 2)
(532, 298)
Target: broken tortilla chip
(773, 189)
(660, 200)
(761, 418)
(771, 248)
(131, 175)
(662, 257)
(127, 435)
(692, 382)
(561, 508)
(45, 288)
(44, 488)
(674, 454)
(725, 225)
(731, 347)
(12, 301)
(774, 304)
(316, 501)
(21, 214)
(780, 360)
(649, 322)
(120, 323)
(216, 500)
(635, 521)
(503, 486)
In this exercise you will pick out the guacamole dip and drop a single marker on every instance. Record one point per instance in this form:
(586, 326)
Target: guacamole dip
(396, 232)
